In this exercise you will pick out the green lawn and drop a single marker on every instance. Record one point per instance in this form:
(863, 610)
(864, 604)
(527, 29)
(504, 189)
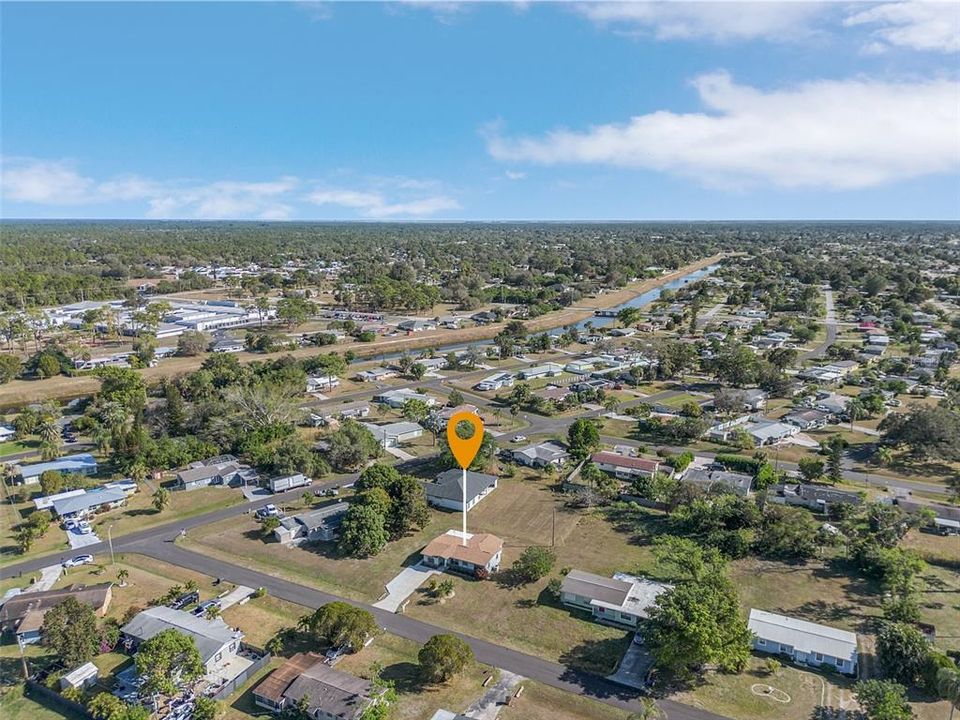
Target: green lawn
(542, 702)
(18, 446)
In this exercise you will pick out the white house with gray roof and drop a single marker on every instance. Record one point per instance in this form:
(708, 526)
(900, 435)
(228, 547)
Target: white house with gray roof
(542, 454)
(321, 524)
(620, 600)
(447, 490)
(804, 642)
(217, 643)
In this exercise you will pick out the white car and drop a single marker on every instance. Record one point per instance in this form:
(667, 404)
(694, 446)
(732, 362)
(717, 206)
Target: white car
(269, 510)
(519, 438)
(78, 560)
(84, 528)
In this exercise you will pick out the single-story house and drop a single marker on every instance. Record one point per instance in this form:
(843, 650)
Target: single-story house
(804, 642)
(322, 524)
(807, 419)
(377, 374)
(227, 345)
(621, 600)
(23, 613)
(416, 325)
(549, 369)
(831, 403)
(80, 463)
(496, 381)
(557, 393)
(627, 467)
(7, 432)
(89, 502)
(217, 642)
(708, 479)
(393, 434)
(484, 317)
(321, 383)
(323, 416)
(451, 322)
(46, 502)
(330, 693)
(447, 490)
(468, 554)
(443, 415)
(754, 399)
(541, 454)
(221, 470)
(771, 432)
(584, 366)
(818, 497)
(398, 398)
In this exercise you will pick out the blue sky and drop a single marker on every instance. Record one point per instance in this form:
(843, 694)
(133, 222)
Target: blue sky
(434, 111)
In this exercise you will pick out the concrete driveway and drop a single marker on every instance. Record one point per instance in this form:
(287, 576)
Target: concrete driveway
(79, 540)
(403, 586)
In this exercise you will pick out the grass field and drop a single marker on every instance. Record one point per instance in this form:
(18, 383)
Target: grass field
(542, 702)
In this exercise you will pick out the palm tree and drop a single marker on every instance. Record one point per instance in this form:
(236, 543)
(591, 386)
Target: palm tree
(122, 575)
(948, 685)
(884, 455)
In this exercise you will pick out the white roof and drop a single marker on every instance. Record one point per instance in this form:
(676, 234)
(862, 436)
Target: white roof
(803, 635)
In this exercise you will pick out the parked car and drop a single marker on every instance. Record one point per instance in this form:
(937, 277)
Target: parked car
(84, 528)
(78, 560)
(519, 438)
(69, 524)
(202, 608)
(269, 510)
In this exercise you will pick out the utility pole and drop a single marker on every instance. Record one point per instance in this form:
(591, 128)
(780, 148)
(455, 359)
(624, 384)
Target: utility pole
(553, 531)
(110, 542)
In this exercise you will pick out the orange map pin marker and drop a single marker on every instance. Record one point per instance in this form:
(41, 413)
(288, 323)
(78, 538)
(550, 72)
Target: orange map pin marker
(464, 450)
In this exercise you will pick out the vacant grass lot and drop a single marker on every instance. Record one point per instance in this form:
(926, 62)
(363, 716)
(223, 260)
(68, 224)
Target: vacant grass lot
(139, 513)
(542, 702)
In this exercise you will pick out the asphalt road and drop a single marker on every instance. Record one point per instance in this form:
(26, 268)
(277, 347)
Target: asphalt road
(529, 666)
(831, 325)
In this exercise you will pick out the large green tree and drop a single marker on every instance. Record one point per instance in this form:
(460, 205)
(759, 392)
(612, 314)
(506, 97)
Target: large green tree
(444, 656)
(167, 659)
(70, 630)
(363, 532)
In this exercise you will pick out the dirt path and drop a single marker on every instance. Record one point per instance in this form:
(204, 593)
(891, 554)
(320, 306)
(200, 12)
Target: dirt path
(21, 392)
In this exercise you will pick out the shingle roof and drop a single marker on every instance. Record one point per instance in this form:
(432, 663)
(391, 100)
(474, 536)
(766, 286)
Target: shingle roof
(274, 685)
(322, 516)
(209, 635)
(337, 693)
(19, 605)
(803, 635)
(71, 463)
(635, 463)
(90, 499)
(449, 485)
(479, 548)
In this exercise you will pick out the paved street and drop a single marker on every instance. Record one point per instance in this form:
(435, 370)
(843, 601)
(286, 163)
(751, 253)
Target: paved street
(535, 668)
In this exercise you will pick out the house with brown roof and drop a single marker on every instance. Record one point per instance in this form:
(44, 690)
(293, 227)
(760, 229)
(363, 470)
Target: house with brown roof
(627, 467)
(23, 614)
(469, 554)
(330, 694)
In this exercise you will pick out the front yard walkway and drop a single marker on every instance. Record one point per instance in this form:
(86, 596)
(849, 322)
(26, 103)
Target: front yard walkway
(403, 586)
(496, 696)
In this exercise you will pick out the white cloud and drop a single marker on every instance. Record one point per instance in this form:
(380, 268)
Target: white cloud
(374, 205)
(514, 175)
(59, 183)
(834, 134)
(713, 19)
(931, 26)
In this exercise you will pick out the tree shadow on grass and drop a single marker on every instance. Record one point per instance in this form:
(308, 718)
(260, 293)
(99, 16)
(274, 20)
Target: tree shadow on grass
(597, 656)
(405, 677)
